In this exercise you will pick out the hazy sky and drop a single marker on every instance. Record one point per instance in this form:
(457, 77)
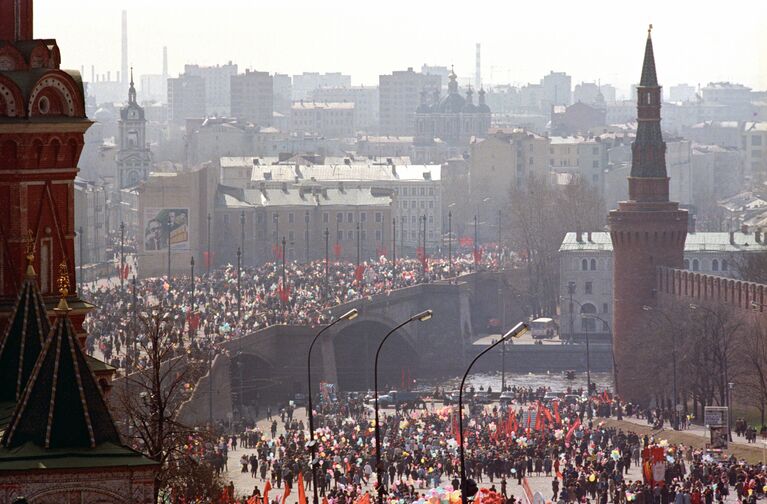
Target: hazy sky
(696, 41)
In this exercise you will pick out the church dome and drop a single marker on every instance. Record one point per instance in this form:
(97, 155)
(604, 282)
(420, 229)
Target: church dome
(469, 107)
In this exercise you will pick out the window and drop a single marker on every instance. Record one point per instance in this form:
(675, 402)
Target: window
(260, 218)
(350, 235)
(423, 191)
(423, 205)
(339, 217)
(431, 204)
(363, 217)
(291, 236)
(412, 219)
(588, 322)
(585, 264)
(595, 150)
(756, 140)
(291, 218)
(339, 236)
(431, 191)
(593, 265)
(350, 217)
(686, 264)
(604, 308)
(695, 265)
(589, 288)
(379, 217)
(715, 265)
(306, 217)
(724, 264)
(595, 164)
(364, 235)
(412, 204)
(378, 235)
(325, 218)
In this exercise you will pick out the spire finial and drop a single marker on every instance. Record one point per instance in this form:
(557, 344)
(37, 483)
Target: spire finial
(30, 252)
(649, 31)
(131, 74)
(63, 282)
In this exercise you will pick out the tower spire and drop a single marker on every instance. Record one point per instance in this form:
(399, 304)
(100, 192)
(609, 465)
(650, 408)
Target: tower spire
(131, 89)
(648, 151)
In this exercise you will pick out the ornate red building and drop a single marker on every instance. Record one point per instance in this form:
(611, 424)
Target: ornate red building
(58, 440)
(647, 231)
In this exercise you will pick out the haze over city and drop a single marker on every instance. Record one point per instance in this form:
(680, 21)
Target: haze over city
(403, 252)
(521, 41)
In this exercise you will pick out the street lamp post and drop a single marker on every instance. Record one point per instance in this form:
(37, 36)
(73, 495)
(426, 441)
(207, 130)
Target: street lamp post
(122, 255)
(327, 258)
(421, 317)
(242, 234)
(570, 292)
(170, 223)
(191, 271)
(425, 260)
(239, 292)
(394, 248)
(499, 239)
(358, 244)
(209, 259)
(476, 239)
(517, 331)
(284, 277)
(450, 243)
(312, 444)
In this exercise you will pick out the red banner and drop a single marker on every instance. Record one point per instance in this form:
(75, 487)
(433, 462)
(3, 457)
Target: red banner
(419, 253)
(277, 251)
(478, 255)
(208, 258)
(358, 272)
(570, 433)
(337, 249)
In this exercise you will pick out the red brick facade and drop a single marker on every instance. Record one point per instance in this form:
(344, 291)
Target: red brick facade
(647, 231)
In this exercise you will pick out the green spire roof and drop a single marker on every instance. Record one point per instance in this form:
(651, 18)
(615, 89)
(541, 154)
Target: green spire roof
(23, 339)
(62, 405)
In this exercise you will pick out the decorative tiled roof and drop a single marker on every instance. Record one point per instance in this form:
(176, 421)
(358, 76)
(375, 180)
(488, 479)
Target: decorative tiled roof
(62, 405)
(22, 341)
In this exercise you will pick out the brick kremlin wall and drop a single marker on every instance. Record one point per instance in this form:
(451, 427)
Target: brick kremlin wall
(676, 284)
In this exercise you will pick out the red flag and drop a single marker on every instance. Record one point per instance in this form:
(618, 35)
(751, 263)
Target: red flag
(556, 412)
(283, 291)
(381, 251)
(548, 414)
(570, 433)
(253, 500)
(358, 272)
(286, 493)
(301, 490)
(466, 241)
(337, 249)
(208, 258)
(419, 253)
(456, 428)
(477, 255)
(277, 251)
(324, 500)
(126, 271)
(194, 321)
(267, 487)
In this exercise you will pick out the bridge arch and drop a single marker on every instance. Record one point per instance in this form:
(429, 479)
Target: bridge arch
(252, 379)
(355, 345)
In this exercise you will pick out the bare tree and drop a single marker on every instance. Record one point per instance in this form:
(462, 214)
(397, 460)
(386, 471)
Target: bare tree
(540, 215)
(752, 385)
(151, 400)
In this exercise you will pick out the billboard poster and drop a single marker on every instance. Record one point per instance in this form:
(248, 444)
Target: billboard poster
(163, 226)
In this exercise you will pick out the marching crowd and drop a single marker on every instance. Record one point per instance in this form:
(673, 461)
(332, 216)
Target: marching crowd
(585, 460)
(299, 294)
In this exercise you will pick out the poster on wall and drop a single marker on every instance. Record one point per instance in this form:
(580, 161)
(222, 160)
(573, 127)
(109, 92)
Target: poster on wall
(163, 226)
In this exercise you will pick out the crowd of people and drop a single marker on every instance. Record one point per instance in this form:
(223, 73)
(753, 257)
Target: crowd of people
(274, 293)
(566, 443)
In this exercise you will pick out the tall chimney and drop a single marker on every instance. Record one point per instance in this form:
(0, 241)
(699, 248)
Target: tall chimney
(124, 66)
(165, 63)
(478, 70)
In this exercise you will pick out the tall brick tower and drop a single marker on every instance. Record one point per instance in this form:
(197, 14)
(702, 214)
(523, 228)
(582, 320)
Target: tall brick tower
(647, 231)
(42, 121)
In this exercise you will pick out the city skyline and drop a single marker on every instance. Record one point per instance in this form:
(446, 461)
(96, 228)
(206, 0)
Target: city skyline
(574, 41)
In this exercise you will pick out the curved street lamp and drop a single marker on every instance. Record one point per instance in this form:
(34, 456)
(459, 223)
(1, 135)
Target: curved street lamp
(421, 317)
(312, 444)
(515, 332)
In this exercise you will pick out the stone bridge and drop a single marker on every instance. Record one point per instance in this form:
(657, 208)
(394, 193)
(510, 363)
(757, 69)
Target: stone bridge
(269, 365)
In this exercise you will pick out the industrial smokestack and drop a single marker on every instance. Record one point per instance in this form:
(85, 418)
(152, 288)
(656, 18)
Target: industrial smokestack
(93, 73)
(478, 70)
(124, 66)
(165, 63)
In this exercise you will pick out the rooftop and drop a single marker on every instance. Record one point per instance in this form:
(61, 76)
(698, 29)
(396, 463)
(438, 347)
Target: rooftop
(696, 242)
